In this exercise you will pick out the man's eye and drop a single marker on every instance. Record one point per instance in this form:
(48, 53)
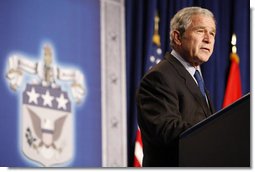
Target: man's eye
(200, 31)
(212, 33)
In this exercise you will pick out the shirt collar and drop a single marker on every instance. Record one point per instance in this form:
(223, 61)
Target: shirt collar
(188, 67)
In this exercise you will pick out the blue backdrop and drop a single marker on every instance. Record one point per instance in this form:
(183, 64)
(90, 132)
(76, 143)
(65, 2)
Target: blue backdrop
(232, 16)
(73, 27)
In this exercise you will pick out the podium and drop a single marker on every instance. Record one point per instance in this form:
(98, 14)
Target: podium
(222, 140)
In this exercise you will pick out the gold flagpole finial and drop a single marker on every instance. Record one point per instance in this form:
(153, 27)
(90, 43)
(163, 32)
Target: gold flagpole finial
(233, 42)
(234, 55)
(156, 37)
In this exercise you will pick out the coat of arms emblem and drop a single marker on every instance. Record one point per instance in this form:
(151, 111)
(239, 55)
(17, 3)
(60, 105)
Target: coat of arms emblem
(46, 110)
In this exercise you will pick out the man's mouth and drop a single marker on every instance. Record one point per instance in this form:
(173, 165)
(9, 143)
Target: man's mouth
(206, 49)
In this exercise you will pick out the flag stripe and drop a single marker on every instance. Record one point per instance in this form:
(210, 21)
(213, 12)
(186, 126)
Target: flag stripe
(139, 148)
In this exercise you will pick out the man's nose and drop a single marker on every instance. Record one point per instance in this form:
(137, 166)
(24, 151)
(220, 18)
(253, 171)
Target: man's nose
(207, 38)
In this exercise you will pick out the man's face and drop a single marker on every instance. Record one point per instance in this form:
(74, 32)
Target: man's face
(197, 42)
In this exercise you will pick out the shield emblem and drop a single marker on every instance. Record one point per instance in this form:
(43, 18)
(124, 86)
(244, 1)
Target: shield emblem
(47, 125)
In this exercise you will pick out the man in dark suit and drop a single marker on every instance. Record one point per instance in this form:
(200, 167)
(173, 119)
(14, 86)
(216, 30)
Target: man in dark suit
(171, 97)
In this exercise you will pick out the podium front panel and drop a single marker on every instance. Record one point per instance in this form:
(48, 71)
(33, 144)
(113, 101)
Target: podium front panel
(222, 140)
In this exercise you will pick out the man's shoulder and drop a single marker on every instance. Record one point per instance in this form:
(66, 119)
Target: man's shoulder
(163, 69)
(166, 64)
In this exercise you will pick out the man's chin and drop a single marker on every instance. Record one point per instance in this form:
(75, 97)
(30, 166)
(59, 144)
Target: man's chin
(203, 59)
(200, 61)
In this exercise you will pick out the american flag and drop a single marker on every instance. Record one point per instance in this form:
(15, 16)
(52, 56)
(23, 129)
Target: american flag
(155, 50)
(153, 59)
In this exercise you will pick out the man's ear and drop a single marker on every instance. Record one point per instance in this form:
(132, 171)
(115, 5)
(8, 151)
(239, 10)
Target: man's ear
(176, 37)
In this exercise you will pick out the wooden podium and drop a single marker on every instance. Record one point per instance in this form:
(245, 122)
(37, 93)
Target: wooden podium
(222, 140)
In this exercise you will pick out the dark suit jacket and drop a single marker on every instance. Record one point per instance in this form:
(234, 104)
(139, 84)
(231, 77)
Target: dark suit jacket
(169, 102)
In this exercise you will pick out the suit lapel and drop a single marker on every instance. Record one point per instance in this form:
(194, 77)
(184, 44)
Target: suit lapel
(212, 110)
(189, 81)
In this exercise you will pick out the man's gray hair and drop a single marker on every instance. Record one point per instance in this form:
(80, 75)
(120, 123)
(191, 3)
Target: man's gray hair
(182, 19)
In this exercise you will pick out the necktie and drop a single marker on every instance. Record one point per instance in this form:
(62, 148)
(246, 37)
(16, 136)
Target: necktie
(200, 82)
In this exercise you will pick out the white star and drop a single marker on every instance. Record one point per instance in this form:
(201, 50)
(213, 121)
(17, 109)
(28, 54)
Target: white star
(159, 51)
(152, 59)
(32, 96)
(157, 61)
(62, 102)
(47, 99)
